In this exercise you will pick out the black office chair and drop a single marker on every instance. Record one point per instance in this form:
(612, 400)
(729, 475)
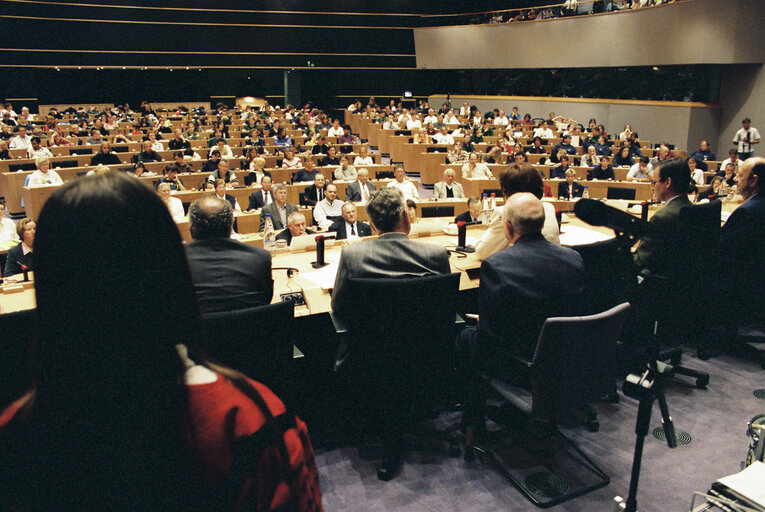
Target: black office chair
(257, 341)
(574, 363)
(437, 211)
(400, 344)
(81, 151)
(383, 175)
(67, 163)
(437, 149)
(621, 193)
(29, 166)
(15, 370)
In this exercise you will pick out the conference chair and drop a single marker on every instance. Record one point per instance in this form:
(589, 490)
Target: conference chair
(437, 211)
(399, 362)
(383, 175)
(574, 363)
(81, 151)
(437, 149)
(621, 193)
(28, 166)
(15, 370)
(257, 341)
(67, 163)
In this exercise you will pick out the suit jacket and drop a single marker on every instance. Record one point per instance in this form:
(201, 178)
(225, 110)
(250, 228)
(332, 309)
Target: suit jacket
(654, 252)
(520, 287)
(310, 195)
(257, 199)
(439, 190)
(353, 191)
(577, 191)
(274, 211)
(391, 255)
(742, 244)
(465, 217)
(339, 227)
(16, 258)
(286, 234)
(229, 274)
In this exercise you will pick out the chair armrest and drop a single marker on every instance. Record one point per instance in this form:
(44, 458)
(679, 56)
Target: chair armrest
(340, 327)
(459, 321)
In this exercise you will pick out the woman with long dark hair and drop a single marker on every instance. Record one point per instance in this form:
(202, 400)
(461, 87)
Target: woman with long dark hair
(126, 412)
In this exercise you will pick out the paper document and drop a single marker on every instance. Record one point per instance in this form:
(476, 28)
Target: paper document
(748, 483)
(574, 235)
(323, 277)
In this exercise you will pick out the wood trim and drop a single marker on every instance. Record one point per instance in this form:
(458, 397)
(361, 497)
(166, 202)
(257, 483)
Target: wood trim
(642, 103)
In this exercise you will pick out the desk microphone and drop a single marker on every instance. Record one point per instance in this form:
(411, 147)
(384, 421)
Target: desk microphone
(320, 251)
(461, 236)
(643, 208)
(599, 213)
(291, 271)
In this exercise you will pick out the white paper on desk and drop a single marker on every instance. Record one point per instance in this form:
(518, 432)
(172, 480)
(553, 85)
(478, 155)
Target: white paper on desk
(724, 216)
(471, 241)
(748, 483)
(574, 235)
(323, 277)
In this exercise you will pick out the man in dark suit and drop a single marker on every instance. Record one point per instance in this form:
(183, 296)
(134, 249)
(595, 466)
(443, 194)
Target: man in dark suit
(473, 213)
(361, 189)
(349, 227)
(314, 193)
(262, 197)
(295, 227)
(742, 244)
(227, 274)
(520, 287)
(21, 256)
(671, 182)
(280, 209)
(570, 189)
(391, 255)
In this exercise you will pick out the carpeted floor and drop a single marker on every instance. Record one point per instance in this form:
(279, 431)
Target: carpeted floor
(716, 419)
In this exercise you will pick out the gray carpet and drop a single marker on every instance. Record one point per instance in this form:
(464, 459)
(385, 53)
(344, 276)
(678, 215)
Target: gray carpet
(431, 481)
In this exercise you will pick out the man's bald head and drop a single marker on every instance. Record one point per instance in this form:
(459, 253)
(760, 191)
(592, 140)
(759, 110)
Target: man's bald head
(210, 217)
(524, 214)
(750, 176)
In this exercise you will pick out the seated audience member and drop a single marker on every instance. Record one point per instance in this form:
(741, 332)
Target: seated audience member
(135, 373)
(228, 274)
(174, 205)
(44, 175)
(213, 141)
(225, 149)
(473, 213)
(139, 169)
(742, 244)
(641, 171)
(518, 178)
(7, 227)
(403, 184)
(321, 147)
(521, 286)
(20, 257)
(98, 170)
(361, 189)
(662, 156)
(671, 180)
(36, 150)
(55, 139)
(363, 158)
(95, 137)
(172, 179)
(295, 227)
(475, 169)
(570, 189)
(623, 157)
(728, 174)
(312, 194)
(280, 209)
(220, 193)
(148, 154)
(345, 172)
(178, 142)
(105, 156)
(179, 165)
(604, 171)
(282, 140)
(448, 188)
(348, 227)
(732, 159)
(336, 130)
(443, 136)
(211, 165)
(713, 192)
(257, 170)
(331, 158)
(559, 172)
(591, 159)
(290, 161)
(536, 147)
(223, 173)
(697, 174)
(329, 209)
(493, 156)
(602, 148)
(262, 197)
(564, 145)
(703, 154)
(411, 211)
(156, 145)
(457, 155)
(307, 173)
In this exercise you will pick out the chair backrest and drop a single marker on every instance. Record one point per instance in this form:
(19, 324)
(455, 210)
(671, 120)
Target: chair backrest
(28, 166)
(609, 274)
(438, 211)
(575, 361)
(257, 341)
(620, 193)
(67, 163)
(401, 331)
(15, 364)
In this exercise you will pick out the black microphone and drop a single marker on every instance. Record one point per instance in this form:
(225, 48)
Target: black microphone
(598, 213)
(461, 236)
(320, 251)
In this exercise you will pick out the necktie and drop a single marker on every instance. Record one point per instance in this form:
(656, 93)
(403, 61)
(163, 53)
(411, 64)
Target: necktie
(364, 193)
(353, 230)
(321, 194)
(266, 198)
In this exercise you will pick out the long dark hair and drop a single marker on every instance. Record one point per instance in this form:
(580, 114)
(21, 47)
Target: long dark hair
(114, 298)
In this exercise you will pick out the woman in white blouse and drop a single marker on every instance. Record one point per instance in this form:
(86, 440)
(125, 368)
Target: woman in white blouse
(518, 178)
(363, 158)
(290, 161)
(7, 227)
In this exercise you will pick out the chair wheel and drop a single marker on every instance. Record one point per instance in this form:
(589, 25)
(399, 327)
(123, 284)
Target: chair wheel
(593, 426)
(702, 382)
(702, 354)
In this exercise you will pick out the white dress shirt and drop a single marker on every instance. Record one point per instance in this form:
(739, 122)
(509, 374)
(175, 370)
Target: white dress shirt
(39, 178)
(325, 209)
(407, 188)
(176, 208)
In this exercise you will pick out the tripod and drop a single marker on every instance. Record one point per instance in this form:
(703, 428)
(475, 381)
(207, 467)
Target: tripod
(646, 388)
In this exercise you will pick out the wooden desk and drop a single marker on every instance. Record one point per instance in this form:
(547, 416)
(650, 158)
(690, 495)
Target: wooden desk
(597, 189)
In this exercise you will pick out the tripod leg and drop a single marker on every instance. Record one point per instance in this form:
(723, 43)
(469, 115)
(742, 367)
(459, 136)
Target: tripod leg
(666, 419)
(641, 429)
